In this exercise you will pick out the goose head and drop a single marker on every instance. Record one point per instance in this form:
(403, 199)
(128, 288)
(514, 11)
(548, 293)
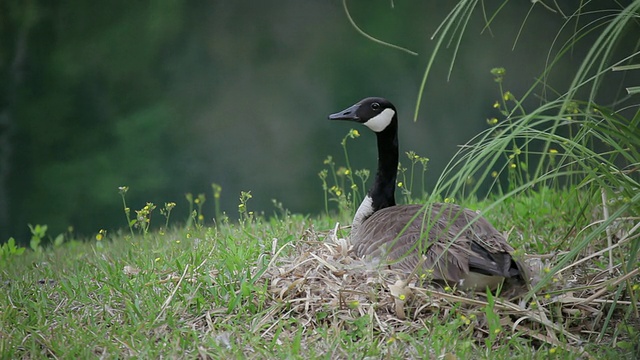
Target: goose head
(376, 113)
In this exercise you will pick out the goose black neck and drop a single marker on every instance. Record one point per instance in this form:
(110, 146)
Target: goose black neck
(383, 190)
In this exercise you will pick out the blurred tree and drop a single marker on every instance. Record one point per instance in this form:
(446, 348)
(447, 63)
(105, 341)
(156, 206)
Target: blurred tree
(17, 18)
(92, 112)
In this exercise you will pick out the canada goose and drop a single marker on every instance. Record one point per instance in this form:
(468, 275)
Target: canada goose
(445, 241)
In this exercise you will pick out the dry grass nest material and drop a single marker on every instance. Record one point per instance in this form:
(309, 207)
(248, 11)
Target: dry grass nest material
(319, 282)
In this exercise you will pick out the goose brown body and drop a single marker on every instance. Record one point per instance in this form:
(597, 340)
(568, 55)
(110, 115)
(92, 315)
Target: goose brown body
(445, 241)
(448, 243)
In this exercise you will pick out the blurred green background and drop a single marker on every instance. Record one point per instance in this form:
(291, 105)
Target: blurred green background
(167, 97)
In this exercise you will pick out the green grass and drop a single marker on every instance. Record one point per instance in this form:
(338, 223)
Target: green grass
(208, 292)
(170, 295)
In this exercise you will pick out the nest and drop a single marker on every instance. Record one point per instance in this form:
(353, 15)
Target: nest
(321, 284)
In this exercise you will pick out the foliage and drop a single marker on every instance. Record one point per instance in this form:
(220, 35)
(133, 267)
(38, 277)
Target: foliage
(570, 140)
(127, 211)
(113, 120)
(38, 233)
(9, 249)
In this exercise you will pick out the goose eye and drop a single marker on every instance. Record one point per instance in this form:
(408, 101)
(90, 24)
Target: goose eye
(375, 106)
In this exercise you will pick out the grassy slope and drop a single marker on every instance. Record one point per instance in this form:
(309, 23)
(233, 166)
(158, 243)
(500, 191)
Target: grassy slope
(198, 293)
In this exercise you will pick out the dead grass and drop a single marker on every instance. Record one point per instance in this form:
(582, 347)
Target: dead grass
(323, 286)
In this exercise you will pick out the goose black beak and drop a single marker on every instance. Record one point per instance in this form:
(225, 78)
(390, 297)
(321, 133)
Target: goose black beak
(346, 114)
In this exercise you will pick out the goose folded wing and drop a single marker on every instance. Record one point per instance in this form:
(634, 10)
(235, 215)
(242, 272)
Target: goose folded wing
(489, 263)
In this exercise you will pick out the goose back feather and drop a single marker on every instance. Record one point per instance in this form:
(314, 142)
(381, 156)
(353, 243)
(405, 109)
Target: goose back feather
(445, 241)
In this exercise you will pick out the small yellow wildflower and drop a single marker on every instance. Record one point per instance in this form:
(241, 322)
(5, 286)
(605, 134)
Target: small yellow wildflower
(402, 297)
(492, 121)
(400, 184)
(200, 217)
(217, 189)
(496, 105)
(177, 241)
(507, 95)
(498, 71)
(513, 165)
(157, 259)
(494, 174)
(553, 350)
(553, 151)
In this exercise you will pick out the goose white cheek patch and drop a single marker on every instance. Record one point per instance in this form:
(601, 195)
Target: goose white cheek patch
(381, 121)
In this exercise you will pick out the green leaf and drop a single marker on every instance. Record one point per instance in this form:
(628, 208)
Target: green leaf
(10, 249)
(633, 90)
(34, 243)
(624, 345)
(626, 67)
(59, 240)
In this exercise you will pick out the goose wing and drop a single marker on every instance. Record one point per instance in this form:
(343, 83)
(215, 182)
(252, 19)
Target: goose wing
(490, 254)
